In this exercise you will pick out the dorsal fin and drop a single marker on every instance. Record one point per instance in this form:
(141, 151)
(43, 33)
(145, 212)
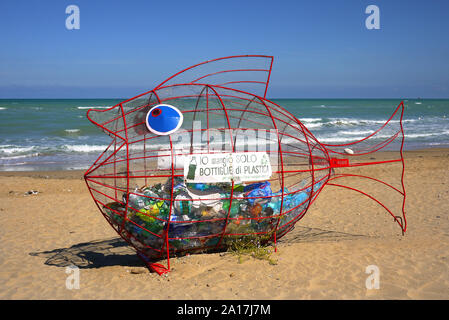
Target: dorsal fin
(249, 73)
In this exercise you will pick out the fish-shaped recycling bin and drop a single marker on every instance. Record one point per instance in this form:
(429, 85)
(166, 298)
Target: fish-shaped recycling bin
(204, 159)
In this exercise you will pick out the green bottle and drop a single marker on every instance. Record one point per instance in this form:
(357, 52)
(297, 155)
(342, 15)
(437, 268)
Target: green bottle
(192, 169)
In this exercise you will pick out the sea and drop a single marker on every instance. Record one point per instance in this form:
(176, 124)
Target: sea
(54, 134)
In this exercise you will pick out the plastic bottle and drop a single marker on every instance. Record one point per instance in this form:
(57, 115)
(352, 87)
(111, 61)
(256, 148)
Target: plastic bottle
(192, 169)
(258, 192)
(183, 204)
(235, 207)
(134, 200)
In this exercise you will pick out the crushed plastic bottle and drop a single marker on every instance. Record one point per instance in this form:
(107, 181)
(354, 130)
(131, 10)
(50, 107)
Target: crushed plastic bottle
(258, 192)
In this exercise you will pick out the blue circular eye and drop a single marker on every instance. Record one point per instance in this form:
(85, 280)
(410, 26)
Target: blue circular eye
(164, 119)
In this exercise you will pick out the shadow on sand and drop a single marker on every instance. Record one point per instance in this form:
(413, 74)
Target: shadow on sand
(307, 234)
(116, 252)
(93, 254)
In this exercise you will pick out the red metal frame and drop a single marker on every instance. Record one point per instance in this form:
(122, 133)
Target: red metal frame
(206, 92)
(206, 75)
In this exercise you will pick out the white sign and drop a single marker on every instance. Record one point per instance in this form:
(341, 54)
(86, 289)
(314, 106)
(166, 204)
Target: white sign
(225, 167)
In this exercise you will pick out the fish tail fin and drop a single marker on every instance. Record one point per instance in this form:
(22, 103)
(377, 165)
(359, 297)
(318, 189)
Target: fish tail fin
(349, 161)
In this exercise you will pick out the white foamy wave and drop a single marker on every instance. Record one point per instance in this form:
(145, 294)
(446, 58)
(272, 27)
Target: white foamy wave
(358, 122)
(354, 133)
(85, 148)
(93, 107)
(20, 157)
(307, 120)
(313, 125)
(339, 139)
(335, 138)
(3, 108)
(312, 122)
(438, 143)
(72, 130)
(79, 168)
(422, 135)
(359, 135)
(9, 149)
(345, 122)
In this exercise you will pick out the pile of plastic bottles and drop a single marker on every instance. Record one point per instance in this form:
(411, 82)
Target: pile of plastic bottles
(202, 214)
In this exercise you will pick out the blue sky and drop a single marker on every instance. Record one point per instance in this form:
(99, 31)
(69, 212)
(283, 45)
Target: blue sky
(322, 49)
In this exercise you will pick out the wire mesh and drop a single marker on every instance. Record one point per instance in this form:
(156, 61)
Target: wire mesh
(141, 182)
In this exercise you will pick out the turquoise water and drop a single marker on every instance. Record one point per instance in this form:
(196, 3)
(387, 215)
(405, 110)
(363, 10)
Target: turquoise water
(55, 134)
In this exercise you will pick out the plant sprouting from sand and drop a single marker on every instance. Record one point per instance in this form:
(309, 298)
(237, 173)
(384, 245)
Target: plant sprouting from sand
(255, 246)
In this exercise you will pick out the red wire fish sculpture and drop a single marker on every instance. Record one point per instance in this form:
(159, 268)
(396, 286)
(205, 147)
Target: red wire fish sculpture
(205, 159)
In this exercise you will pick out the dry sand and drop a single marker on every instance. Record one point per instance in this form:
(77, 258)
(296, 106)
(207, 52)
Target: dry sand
(324, 257)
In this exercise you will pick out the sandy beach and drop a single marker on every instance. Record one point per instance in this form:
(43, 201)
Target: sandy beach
(324, 257)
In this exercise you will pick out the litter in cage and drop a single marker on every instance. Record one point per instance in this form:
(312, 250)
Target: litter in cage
(205, 159)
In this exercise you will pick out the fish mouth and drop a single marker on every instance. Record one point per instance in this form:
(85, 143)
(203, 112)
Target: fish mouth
(125, 124)
(111, 122)
(114, 150)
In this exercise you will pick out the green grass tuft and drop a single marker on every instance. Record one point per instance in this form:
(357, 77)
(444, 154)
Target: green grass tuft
(254, 246)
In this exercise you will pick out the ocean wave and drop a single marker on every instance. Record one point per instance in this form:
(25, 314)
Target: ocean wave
(308, 120)
(358, 136)
(423, 135)
(312, 122)
(419, 135)
(72, 130)
(21, 156)
(10, 149)
(438, 143)
(358, 122)
(3, 108)
(14, 164)
(94, 107)
(313, 125)
(348, 122)
(331, 107)
(85, 148)
(338, 139)
(359, 132)
(334, 139)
